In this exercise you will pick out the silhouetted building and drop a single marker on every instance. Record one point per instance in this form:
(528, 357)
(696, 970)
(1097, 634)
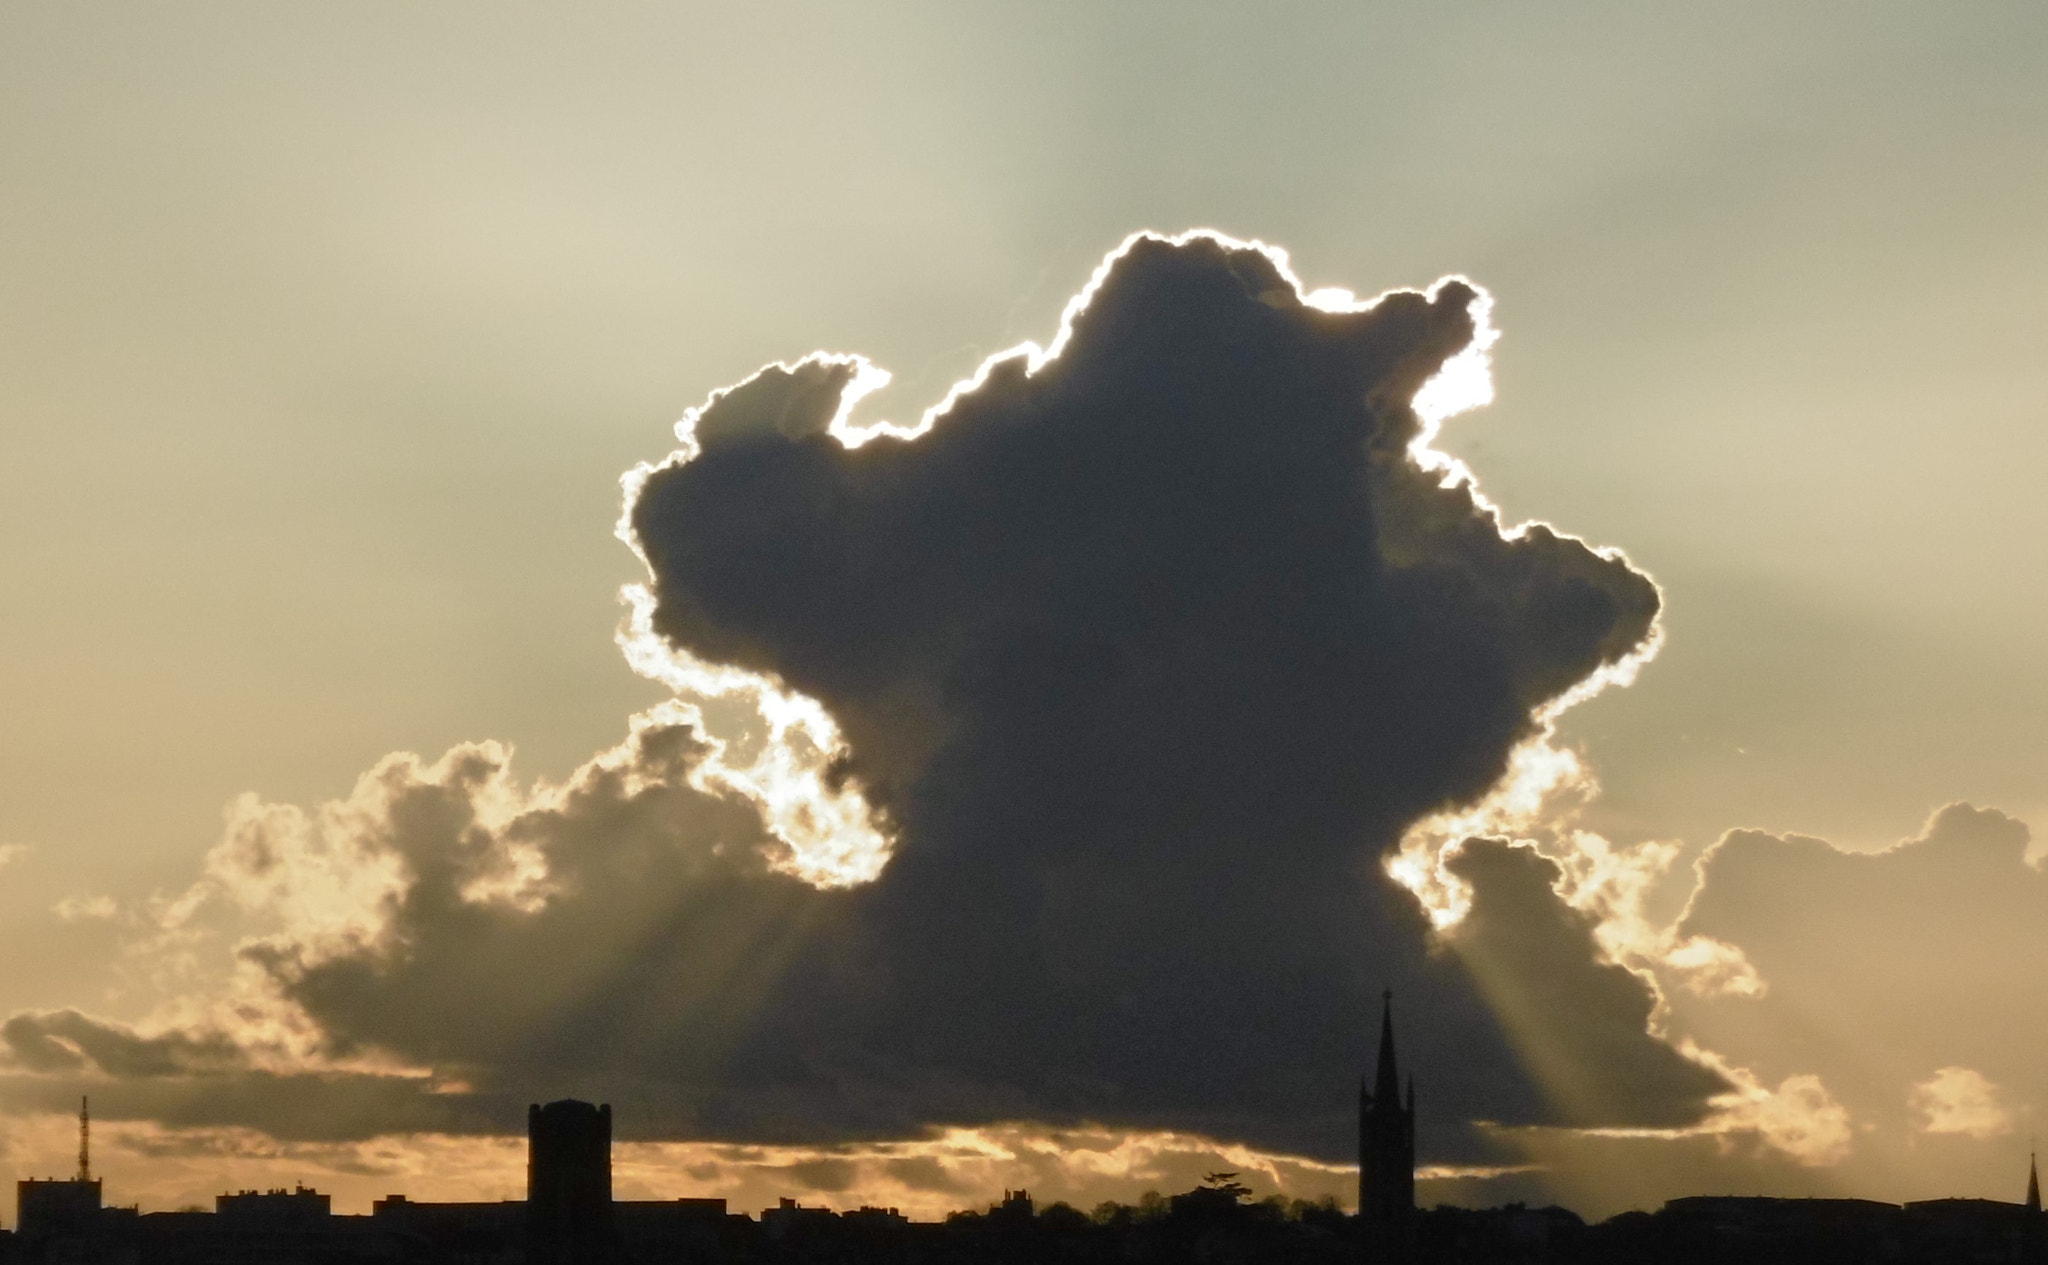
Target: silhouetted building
(1512, 1235)
(569, 1183)
(301, 1205)
(569, 1218)
(2037, 1225)
(1016, 1206)
(679, 1230)
(52, 1205)
(1386, 1154)
(58, 1219)
(267, 1227)
(473, 1233)
(789, 1222)
(1973, 1230)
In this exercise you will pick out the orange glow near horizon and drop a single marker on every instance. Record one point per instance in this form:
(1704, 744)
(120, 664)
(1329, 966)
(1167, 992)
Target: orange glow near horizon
(947, 1170)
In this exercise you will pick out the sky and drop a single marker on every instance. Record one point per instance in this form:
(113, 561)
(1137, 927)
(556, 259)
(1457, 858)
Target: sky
(328, 334)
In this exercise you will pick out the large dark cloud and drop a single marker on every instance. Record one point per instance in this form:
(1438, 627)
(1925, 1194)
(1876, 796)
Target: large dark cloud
(1145, 658)
(1147, 655)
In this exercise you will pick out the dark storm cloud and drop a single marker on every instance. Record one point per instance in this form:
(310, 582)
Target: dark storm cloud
(298, 1107)
(1573, 1017)
(1145, 657)
(67, 1041)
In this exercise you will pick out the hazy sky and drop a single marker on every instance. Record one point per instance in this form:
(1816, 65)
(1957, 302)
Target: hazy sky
(326, 334)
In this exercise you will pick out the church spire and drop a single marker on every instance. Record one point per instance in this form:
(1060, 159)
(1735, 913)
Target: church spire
(1387, 1084)
(1386, 1155)
(2033, 1185)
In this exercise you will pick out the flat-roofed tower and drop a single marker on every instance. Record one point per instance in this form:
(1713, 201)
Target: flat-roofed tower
(569, 1183)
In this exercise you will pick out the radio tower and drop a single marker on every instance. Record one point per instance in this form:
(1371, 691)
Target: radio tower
(85, 1139)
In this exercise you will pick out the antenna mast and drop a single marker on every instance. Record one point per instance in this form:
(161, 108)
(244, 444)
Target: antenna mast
(85, 1139)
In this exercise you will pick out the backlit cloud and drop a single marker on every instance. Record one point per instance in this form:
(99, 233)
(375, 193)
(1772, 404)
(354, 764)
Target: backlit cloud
(1902, 977)
(1083, 715)
(1960, 1100)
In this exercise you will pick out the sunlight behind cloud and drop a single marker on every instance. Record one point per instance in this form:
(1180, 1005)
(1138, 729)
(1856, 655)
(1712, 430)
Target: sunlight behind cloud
(829, 831)
(1545, 783)
(433, 882)
(1799, 1119)
(832, 834)
(1960, 1100)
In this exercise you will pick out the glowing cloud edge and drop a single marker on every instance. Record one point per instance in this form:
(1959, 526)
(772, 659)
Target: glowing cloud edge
(832, 837)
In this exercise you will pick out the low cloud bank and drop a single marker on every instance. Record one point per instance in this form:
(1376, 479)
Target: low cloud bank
(1905, 977)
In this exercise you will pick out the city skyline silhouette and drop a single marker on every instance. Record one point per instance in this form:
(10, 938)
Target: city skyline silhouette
(570, 1217)
(948, 608)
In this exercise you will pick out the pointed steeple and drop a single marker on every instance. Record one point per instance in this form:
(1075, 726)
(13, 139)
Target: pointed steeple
(1386, 1155)
(2033, 1185)
(1386, 1090)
